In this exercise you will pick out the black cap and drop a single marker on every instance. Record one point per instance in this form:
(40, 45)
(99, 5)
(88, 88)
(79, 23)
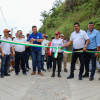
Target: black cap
(52, 37)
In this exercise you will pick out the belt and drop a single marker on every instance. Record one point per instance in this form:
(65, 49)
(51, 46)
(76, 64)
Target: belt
(92, 49)
(58, 52)
(77, 49)
(6, 54)
(19, 52)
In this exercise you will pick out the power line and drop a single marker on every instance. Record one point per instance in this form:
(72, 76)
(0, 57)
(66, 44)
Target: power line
(4, 17)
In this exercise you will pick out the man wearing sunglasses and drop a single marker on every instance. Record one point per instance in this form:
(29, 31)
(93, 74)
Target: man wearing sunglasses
(6, 49)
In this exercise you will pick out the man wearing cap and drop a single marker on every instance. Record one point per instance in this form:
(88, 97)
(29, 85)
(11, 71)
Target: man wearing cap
(80, 42)
(10, 36)
(6, 49)
(64, 54)
(36, 38)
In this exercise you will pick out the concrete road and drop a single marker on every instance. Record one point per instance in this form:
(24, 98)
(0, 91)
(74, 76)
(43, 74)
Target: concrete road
(46, 88)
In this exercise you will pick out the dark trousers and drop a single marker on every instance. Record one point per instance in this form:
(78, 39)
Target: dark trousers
(42, 61)
(58, 61)
(4, 64)
(75, 55)
(89, 56)
(36, 60)
(49, 62)
(27, 59)
(20, 56)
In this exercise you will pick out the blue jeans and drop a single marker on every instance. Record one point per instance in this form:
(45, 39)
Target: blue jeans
(42, 61)
(27, 59)
(4, 64)
(97, 63)
(36, 60)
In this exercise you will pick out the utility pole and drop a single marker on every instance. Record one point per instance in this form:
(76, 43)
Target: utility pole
(12, 30)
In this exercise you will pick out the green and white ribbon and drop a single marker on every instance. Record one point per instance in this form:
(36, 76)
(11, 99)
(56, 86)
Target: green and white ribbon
(28, 44)
(56, 53)
(37, 45)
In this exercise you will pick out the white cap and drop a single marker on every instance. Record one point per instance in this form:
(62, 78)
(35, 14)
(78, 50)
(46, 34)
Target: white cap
(62, 35)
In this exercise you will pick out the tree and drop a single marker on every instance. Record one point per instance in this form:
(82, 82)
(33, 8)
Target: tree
(57, 3)
(44, 15)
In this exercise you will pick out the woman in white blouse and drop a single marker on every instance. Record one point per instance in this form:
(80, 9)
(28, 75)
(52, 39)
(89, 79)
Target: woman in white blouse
(57, 42)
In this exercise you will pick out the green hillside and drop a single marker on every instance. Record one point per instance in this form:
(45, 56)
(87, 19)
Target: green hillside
(62, 16)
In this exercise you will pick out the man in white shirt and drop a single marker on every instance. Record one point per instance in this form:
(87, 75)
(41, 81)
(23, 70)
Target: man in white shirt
(64, 54)
(44, 52)
(6, 49)
(80, 42)
(19, 54)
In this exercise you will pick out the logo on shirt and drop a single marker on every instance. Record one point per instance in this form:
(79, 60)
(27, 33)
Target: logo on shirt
(37, 37)
(80, 35)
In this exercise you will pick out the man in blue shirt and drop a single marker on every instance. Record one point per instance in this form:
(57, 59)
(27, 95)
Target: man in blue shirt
(94, 37)
(36, 38)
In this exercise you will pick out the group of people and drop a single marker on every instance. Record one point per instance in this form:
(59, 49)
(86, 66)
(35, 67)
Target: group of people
(82, 41)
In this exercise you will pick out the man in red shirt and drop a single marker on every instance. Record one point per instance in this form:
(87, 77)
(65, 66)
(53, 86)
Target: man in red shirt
(49, 61)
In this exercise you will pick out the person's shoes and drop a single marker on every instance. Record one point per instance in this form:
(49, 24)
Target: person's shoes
(43, 69)
(48, 70)
(33, 73)
(7, 74)
(19, 70)
(91, 79)
(90, 70)
(98, 70)
(80, 77)
(65, 70)
(16, 73)
(2, 76)
(99, 79)
(53, 75)
(25, 74)
(59, 75)
(40, 73)
(9, 70)
(85, 76)
(70, 76)
(27, 69)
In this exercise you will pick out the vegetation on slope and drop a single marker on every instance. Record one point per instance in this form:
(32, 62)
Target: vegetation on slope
(63, 14)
